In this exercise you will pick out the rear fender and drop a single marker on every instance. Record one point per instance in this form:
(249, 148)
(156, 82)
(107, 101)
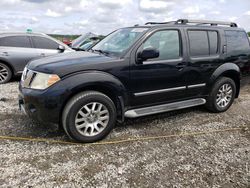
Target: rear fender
(230, 70)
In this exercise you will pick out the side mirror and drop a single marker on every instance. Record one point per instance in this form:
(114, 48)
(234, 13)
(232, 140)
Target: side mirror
(61, 48)
(148, 53)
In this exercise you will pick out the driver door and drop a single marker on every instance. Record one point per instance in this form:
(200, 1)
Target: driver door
(162, 79)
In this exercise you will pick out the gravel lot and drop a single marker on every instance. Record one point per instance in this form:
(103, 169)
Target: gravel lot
(210, 160)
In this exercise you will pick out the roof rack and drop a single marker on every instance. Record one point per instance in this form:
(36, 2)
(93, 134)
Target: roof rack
(154, 23)
(196, 22)
(204, 22)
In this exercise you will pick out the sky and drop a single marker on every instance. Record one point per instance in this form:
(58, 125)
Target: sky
(104, 16)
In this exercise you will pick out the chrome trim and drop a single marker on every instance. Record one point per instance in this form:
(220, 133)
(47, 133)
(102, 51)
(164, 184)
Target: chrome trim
(197, 85)
(163, 61)
(159, 91)
(19, 72)
(205, 57)
(164, 108)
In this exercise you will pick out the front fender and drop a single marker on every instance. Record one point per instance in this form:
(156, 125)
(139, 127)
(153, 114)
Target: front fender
(91, 80)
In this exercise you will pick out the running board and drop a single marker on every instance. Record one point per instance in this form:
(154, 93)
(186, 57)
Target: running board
(164, 108)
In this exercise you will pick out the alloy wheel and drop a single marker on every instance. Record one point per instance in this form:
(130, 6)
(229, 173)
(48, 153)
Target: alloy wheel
(3, 74)
(92, 119)
(224, 95)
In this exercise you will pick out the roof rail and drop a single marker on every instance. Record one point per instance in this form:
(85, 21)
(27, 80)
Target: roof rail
(154, 23)
(201, 22)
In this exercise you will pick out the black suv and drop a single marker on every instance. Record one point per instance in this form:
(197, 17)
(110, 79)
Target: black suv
(137, 71)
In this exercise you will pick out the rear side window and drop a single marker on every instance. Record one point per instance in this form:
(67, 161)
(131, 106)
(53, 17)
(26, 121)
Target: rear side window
(44, 43)
(203, 43)
(213, 42)
(237, 42)
(15, 41)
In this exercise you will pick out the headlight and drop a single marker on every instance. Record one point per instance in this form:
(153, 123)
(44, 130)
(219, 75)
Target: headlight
(43, 81)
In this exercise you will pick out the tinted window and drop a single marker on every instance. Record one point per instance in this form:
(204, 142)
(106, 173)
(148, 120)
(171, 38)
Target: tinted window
(203, 43)
(167, 42)
(198, 41)
(213, 42)
(237, 42)
(44, 43)
(15, 41)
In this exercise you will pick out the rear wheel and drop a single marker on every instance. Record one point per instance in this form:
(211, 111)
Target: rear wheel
(222, 95)
(89, 116)
(5, 73)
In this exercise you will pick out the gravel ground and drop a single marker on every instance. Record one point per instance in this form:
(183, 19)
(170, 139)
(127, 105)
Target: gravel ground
(208, 160)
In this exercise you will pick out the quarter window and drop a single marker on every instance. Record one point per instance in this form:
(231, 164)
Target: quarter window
(203, 43)
(44, 43)
(237, 42)
(167, 42)
(15, 41)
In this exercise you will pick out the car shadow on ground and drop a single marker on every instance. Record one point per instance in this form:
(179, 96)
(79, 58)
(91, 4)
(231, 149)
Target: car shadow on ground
(25, 127)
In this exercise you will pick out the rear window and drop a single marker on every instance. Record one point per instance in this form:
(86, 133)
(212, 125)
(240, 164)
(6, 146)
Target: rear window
(44, 43)
(203, 43)
(15, 41)
(237, 42)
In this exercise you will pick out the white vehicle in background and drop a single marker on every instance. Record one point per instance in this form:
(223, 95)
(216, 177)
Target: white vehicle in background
(18, 48)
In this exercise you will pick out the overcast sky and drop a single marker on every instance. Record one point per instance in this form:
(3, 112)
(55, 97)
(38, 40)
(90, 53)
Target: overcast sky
(103, 16)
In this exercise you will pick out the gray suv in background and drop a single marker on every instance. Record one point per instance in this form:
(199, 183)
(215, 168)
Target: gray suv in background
(17, 49)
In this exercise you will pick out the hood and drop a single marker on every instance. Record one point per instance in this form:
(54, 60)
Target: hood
(66, 63)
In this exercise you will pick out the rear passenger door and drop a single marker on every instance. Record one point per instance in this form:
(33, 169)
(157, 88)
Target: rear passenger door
(17, 50)
(45, 46)
(204, 56)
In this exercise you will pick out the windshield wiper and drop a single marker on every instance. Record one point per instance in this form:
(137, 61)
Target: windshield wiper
(100, 51)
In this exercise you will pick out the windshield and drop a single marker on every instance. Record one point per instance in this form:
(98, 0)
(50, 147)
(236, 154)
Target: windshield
(119, 41)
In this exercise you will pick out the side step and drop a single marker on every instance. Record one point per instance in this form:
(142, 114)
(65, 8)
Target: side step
(164, 108)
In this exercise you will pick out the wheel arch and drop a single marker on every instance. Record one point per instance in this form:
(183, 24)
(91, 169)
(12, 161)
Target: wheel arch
(101, 82)
(8, 64)
(229, 70)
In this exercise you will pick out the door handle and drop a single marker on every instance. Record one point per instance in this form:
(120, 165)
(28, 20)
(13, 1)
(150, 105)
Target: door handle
(5, 54)
(180, 65)
(42, 54)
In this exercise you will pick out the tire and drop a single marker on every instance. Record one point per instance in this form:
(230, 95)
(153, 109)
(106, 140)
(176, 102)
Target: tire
(83, 125)
(5, 73)
(221, 95)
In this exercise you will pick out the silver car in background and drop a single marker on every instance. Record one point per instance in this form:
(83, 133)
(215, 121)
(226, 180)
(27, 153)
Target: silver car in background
(17, 49)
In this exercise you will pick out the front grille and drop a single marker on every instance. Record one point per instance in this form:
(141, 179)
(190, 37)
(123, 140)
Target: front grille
(27, 77)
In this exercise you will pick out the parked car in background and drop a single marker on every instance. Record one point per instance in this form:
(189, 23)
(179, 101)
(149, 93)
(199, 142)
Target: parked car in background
(92, 42)
(83, 39)
(17, 49)
(66, 41)
(137, 71)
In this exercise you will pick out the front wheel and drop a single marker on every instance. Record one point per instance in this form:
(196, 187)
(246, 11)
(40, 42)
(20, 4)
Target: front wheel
(222, 95)
(89, 116)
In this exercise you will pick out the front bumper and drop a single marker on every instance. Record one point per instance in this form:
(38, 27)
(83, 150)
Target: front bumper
(43, 106)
